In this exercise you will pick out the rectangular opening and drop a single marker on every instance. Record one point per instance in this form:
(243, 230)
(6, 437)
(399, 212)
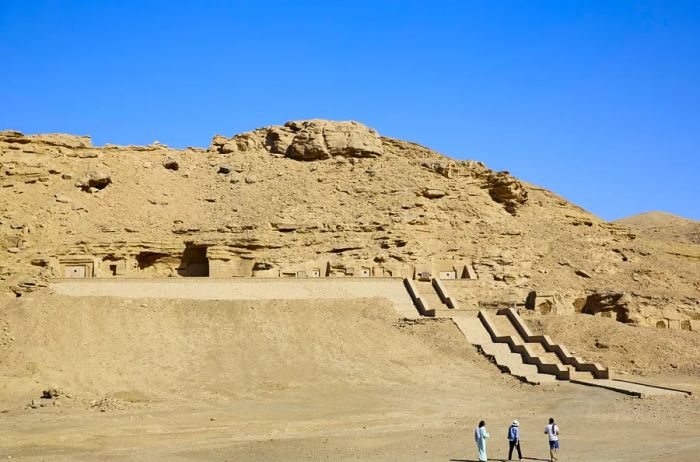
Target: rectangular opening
(194, 262)
(424, 276)
(113, 269)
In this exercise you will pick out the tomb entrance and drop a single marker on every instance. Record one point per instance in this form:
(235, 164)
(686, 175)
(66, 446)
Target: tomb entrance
(194, 262)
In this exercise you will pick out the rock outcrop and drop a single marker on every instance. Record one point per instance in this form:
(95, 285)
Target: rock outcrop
(307, 140)
(312, 197)
(15, 140)
(94, 181)
(506, 190)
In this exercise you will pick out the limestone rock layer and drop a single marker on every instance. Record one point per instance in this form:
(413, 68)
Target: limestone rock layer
(319, 198)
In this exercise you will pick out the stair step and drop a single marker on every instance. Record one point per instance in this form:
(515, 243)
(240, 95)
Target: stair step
(505, 326)
(427, 293)
(506, 360)
(449, 312)
(580, 375)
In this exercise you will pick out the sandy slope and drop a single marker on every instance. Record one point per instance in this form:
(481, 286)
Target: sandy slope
(655, 218)
(179, 349)
(288, 380)
(665, 227)
(636, 350)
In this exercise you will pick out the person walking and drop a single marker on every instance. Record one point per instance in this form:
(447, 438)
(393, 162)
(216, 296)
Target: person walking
(514, 440)
(552, 431)
(480, 436)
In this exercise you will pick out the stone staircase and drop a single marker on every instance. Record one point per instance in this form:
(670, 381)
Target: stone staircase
(432, 297)
(506, 340)
(427, 292)
(474, 331)
(507, 327)
(424, 309)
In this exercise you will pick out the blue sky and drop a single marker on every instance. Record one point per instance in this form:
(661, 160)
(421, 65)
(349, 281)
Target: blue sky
(598, 101)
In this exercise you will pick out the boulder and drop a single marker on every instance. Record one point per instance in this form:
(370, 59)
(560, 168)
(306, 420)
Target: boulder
(51, 393)
(248, 141)
(89, 155)
(62, 198)
(432, 193)
(94, 181)
(171, 164)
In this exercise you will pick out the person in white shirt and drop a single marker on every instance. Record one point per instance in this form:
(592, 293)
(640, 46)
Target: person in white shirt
(552, 431)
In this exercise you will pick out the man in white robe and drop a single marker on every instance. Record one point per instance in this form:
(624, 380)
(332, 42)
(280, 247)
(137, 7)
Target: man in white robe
(480, 436)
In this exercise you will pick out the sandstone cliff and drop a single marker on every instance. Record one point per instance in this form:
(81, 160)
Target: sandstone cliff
(285, 200)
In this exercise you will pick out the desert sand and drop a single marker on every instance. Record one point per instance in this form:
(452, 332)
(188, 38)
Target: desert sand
(148, 379)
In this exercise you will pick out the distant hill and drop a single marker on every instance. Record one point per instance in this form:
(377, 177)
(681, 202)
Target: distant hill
(664, 226)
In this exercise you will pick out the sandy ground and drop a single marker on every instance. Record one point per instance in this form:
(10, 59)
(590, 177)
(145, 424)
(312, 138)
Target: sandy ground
(292, 380)
(639, 351)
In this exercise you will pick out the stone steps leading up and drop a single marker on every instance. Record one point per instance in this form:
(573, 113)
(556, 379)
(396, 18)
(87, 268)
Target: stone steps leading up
(505, 327)
(507, 341)
(429, 296)
(542, 350)
(475, 332)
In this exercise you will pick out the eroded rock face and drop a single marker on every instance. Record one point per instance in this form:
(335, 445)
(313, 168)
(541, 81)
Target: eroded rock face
(507, 190)
(307, 140)
(249, 204)
(248, 141)
(50, 139)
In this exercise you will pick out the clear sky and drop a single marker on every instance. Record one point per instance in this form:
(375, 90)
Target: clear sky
(598, 101)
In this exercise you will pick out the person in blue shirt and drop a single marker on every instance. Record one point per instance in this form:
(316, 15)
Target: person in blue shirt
(514, 440)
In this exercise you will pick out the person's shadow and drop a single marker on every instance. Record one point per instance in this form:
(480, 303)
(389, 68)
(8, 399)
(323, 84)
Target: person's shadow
(497, 460)
(476, 460)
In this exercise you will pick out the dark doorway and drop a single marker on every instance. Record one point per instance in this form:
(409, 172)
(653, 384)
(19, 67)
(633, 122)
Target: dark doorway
(148, 259)
(194, 262)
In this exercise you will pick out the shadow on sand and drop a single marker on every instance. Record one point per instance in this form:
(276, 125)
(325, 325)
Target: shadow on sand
(498, 460)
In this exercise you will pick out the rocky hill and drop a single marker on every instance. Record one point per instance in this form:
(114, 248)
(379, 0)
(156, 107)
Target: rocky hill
(664, 226)
(328, 197)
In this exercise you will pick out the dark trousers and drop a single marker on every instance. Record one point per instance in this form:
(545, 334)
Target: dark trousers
(514, 444)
